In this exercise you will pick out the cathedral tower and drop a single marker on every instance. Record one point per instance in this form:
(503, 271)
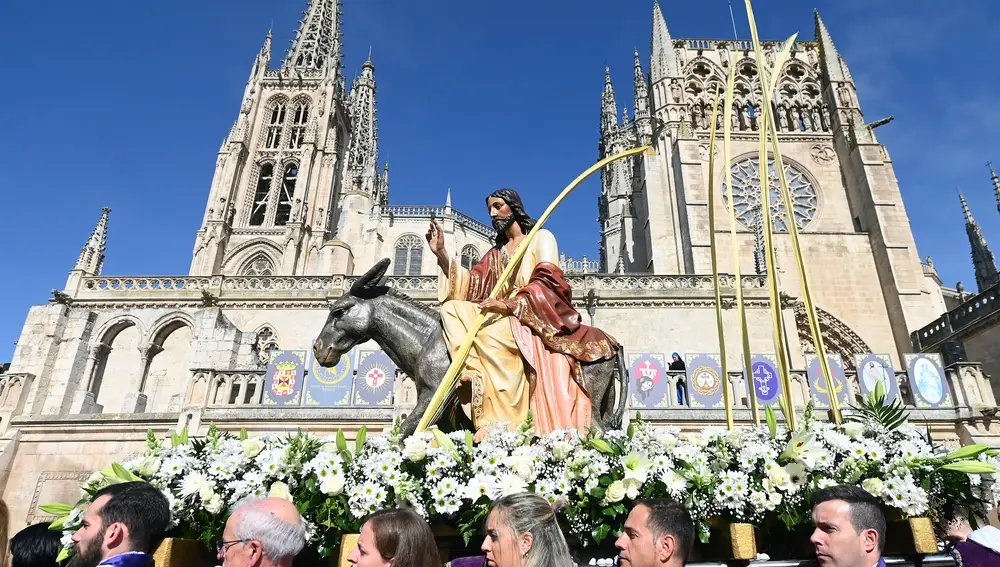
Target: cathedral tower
(283, 191)
(982, 256)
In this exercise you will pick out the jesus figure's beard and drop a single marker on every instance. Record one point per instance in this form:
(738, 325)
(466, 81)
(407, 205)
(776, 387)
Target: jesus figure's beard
(501, 224)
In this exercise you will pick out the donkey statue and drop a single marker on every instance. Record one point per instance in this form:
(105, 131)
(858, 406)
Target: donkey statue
(410, 334)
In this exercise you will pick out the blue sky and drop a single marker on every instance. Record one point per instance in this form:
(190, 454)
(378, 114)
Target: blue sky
(124, 104)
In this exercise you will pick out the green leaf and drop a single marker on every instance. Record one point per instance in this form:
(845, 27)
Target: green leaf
(598, 492)
(243, 434)
(341, 441)
(602, 446)
(879, 390)
(600, 532)
(445, 442)
(56, 509)
(64, 554)
(359, 441)
(631, 430)
(966, 452)
(969, 467)
(468, 441)
(772, 421)
(175, 439)
(184, 435)
(123, 473)
(57, 525)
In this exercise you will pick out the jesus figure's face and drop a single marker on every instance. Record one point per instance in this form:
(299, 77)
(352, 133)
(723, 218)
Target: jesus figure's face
(500, 212)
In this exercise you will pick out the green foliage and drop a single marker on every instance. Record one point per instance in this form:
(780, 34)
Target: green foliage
(772, 421)
(153, 444)
(873, 409)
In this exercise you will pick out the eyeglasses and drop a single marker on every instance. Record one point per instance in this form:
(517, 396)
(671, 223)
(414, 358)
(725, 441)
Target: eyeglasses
(221, 546)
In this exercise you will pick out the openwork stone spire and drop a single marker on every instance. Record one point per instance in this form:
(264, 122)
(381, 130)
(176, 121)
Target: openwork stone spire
(609, 108)
(663, 61)
(640, 90)
(91, 258)
(982, 257)
(996, 184)
(317, 41)
(364, 139)
(833, 64)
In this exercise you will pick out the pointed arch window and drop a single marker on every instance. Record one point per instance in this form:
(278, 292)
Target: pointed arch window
(284, 209)
(274, 126)
(259, 206)
(409, 253)
(470, 257)
(259, 265)
(299, 120)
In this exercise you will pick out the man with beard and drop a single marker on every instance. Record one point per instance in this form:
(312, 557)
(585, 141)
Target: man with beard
(121, 527)
(529, 352)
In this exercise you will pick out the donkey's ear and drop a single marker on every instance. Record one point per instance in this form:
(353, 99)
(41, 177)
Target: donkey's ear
(372, 277)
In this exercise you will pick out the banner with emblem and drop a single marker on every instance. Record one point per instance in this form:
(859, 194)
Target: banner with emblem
(330, 387)
(927, 380)
(819, 389)
(285, 374)
(376, 379)
(763, 379)
(874, 369)
(650, 384)
(705, 382)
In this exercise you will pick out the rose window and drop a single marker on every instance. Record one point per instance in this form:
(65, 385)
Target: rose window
(746, 195)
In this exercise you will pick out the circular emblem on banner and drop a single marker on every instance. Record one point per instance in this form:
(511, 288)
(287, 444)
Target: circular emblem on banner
(375, 378)
(335, 375)
(765, 381)
(928, 381)
(705, 380)
(873, 373)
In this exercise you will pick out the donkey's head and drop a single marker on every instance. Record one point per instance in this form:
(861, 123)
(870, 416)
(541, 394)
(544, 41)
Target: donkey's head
(351, 317)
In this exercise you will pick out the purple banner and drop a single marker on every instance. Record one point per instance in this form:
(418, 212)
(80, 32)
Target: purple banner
(373, 386)
(330, 387)
(764, 379)
(285, 375)
(874, 369)
(650, 385)
(705, 381)
(818, 387)
(927, 380)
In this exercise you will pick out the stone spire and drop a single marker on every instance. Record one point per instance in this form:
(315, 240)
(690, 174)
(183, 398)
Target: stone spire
(317, 41)
(364, 131)
(663, 61)
(982, 257)
(91, 258)
(609, 108)
(996, 183)
(833, 64)
(640, 90)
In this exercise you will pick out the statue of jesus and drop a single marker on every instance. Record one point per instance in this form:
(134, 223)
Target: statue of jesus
(529, 351)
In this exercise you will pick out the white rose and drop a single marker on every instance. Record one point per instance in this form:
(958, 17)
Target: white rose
(523, 466)
(332, 485)
(561, 450)
(667, 440)
(330, 447)
(280, 490)
(415, 449)
(874, 486)
(615, 492)
(206, 492)
(214, 504)
(252, 447)
(632, 488)
(854, 429)
(149, 467)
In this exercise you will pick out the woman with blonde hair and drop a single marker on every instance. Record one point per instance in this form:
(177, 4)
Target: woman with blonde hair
(522, 531)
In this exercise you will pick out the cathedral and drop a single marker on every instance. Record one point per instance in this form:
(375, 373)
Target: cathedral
(299, 207)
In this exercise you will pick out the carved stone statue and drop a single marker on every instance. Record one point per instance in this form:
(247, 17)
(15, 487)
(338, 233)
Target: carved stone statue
(782, 117)
(696, 114)
(296, 207)
(844, 95)
(724, 54)
(814, 118)
(675, 90)
(322, 103)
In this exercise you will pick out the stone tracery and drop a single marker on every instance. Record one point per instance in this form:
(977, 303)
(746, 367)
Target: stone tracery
(746, 194)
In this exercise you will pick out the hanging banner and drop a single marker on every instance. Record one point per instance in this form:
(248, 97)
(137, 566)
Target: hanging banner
(819, 389)
(376, 379)
(764, 379)
(285, 374)
(649, 381)
(330, 387)
(704, 380)
(927, 380)
(875, 369)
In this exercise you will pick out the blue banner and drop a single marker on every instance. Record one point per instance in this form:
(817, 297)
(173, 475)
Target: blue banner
(927, 380)
(376, 379)
(764, 379)
(705, 382)
(330, 387)
(649, 386)
(818, 387)
(285, 375)
(874, 369)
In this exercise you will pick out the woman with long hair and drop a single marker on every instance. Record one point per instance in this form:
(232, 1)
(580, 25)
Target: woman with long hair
(522, 531)
(395, 537)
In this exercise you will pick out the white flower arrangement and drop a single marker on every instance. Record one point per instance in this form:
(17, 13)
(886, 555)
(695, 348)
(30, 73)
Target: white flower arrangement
(755, 474)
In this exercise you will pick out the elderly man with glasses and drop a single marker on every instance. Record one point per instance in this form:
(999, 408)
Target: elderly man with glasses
(262, 532)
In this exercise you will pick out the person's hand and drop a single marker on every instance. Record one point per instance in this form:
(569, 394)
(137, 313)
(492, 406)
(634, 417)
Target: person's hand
(494, 306)
(435, 237)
